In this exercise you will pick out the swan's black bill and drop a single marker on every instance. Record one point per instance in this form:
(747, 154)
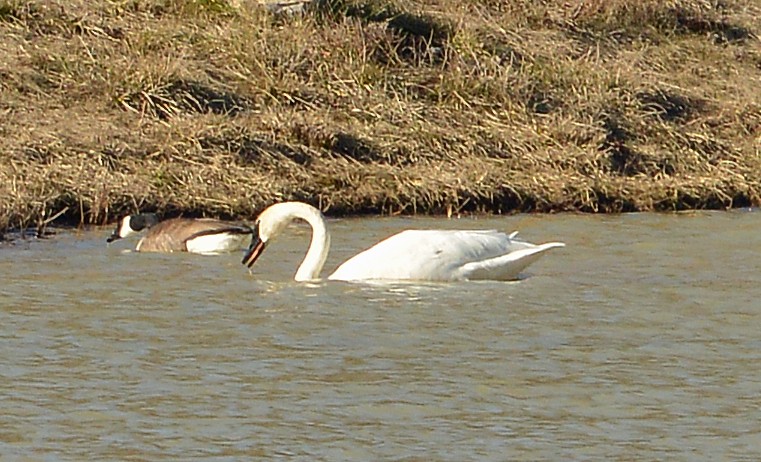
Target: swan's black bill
(114, 236)
(254, 251)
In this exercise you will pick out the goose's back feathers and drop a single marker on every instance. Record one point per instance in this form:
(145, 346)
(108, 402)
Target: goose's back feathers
(202, 235)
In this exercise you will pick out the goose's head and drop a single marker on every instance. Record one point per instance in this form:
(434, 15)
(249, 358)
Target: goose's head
(132, 224)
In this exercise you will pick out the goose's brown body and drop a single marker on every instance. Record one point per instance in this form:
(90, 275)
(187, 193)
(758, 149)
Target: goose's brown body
(197, 235)
(173, 235)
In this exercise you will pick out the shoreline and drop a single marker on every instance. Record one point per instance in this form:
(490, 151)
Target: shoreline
(13, 236)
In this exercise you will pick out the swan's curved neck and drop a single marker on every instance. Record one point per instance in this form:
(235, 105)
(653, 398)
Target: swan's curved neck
(319, 246)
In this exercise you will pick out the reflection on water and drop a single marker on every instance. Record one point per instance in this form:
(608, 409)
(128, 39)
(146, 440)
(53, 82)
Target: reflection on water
(637, 341)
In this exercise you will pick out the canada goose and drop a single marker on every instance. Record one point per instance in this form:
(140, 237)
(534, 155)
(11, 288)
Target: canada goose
(196, 235)
(431, 255)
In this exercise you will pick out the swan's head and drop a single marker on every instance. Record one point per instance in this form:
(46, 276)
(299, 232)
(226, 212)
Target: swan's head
(132, 224)
(269, 224)
(272, 221)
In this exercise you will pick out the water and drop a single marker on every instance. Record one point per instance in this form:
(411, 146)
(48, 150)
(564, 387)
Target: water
(638, 341)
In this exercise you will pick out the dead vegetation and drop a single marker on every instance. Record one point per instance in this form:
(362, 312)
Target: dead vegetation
(209, 107)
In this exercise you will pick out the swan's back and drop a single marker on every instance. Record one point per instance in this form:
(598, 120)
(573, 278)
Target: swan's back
(442, 255)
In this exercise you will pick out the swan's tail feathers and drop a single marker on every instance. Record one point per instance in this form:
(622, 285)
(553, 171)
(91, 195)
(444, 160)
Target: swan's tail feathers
(509, 266)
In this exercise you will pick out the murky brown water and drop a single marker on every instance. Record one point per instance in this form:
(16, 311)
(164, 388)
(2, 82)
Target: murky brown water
(639, 341)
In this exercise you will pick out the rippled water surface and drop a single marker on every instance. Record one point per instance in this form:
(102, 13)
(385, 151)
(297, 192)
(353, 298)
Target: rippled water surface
(641, 340)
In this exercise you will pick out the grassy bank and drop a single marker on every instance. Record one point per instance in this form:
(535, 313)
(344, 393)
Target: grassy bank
(204, 107)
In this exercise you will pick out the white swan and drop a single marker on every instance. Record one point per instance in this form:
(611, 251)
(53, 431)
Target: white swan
(429, 255)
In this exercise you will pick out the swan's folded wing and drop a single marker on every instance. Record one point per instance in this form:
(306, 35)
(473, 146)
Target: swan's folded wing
(508, 266)
(427, 255)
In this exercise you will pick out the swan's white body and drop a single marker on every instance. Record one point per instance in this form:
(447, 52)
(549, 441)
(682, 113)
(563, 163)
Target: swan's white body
(440, 255)
(425, 255)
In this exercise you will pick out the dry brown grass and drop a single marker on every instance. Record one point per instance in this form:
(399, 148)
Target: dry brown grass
(197, 107)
